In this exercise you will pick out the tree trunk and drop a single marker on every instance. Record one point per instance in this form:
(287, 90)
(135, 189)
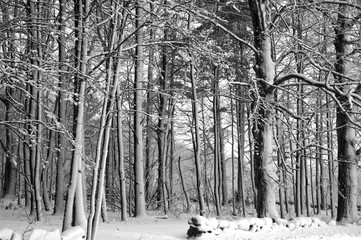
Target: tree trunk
(241, 141)
(161, 129)
(265, 174)
(232, 155)
(216, 149)
(38, 163)
(196, 144)
(150, 112)
(186, 196)
(9, 182)
(138, 116)
(123, 203)
(61, 115)
(346, 136)
(74, 214)
(330, 158)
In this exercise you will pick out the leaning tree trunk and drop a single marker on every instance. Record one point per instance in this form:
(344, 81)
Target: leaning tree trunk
(265, 174)
(346, 137)
(74, 214)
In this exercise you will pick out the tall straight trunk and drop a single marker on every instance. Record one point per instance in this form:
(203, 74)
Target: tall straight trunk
(38, 163)
(35, 105)
(27, 168)
(9, 186)
(47, 169)
(318, 160)
(196, 143)
(61, 115)
(223, 162)
(307, 187)
(300, 157)
(171, 163)
(240, 158)
(232, 156)
(123, 203)
(216, 149)
(330, 158)
(329, 137)
(150, 109)
(223, 192)
(322, 169)
(186, 196)
(251, 157)
(138, 116)
(74, 214)
(161, 129)
(171, 135)
(265, 174)
(280, 164)
(346, 136)
(204, 153)
(46, 172)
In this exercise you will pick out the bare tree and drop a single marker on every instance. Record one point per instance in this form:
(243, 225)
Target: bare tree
(74, 214)
(138, 116)
(262, 129)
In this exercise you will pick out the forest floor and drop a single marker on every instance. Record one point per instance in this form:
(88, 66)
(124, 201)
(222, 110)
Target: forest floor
(154, 228)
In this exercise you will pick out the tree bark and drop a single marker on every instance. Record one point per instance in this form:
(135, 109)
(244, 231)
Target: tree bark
(124, 215)
(240, 158)
(216, 149)
(138, 116)
(262, 128)
(74, 214)
(346, 136)
(61, 115)
(161, 128)
(330, 157)
(196, 144)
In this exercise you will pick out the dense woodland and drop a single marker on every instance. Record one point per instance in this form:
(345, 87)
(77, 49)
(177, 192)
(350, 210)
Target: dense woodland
(206, 107)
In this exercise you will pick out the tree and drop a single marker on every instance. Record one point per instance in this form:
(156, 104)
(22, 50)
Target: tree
(138, 116)
(262, 126)
(61, 115)
(74, 214)
(196, 142)
(346, 136)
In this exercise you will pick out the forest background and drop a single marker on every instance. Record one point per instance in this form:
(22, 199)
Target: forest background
(207, 107)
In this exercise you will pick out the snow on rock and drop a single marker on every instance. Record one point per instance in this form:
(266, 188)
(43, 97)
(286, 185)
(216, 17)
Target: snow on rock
(73, 233)
(6, 234)
(200, 226)
(9, 234)
(37, 234)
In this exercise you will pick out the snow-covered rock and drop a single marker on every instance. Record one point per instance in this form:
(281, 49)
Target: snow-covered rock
(6, 233)
(243, 224)
(73, 233)
(223, 224)
(201, 226)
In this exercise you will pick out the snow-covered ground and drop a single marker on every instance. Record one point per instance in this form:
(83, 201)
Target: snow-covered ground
(154, 228)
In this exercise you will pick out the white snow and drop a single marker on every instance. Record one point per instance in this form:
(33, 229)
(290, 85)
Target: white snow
(154, 228)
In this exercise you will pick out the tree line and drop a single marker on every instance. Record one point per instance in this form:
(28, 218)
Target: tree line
(180, 106)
